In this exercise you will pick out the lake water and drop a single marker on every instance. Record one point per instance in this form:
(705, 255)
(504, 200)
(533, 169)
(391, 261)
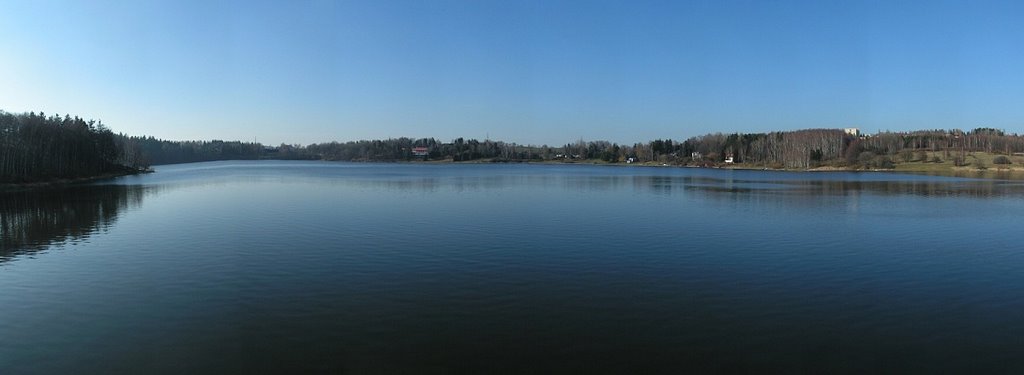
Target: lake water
(316, 267)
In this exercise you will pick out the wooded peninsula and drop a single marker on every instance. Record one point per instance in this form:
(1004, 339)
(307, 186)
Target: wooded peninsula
(37, 148)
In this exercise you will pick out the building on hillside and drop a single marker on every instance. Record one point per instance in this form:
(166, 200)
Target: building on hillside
(420, 151)
(852, 131)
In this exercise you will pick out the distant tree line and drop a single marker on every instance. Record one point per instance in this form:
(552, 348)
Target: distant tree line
(789, 149)
(157, 151)
(833, 147)
(400, 149)
(36, 147)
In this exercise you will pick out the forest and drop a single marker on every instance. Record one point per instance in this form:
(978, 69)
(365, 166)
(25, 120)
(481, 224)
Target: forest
(36, 147)
(800, 149)
(803, 149)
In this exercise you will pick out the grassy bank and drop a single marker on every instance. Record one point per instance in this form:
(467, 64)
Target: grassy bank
(973, 162)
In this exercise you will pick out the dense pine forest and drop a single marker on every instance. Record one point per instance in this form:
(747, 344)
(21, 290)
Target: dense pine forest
(36, 147)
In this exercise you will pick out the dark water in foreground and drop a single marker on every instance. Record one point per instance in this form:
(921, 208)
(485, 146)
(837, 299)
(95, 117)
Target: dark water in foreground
(307, 267)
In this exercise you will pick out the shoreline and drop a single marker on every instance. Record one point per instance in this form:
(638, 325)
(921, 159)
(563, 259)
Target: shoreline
(744, 167)
(952, 171)
(14, 187)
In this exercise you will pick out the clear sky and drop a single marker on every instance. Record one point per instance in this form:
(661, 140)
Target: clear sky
(521, 71)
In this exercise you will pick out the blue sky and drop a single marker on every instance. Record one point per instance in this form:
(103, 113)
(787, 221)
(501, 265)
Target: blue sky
(529, 72)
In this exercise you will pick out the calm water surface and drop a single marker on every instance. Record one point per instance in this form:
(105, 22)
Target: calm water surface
(311, 267)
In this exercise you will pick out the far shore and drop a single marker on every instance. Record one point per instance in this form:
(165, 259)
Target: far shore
(982, 168)
(939, 169)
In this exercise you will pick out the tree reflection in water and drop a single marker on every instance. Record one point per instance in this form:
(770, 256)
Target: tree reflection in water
(32, 221)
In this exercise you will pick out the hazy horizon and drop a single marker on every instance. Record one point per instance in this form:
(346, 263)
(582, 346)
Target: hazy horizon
(524, 72)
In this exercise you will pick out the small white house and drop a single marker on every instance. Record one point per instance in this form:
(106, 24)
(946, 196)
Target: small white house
(728, 159)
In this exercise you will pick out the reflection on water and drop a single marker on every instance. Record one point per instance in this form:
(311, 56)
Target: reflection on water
(31, 221)
(285, 267)
(925, 188)
(757, 183)
(996, 174)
